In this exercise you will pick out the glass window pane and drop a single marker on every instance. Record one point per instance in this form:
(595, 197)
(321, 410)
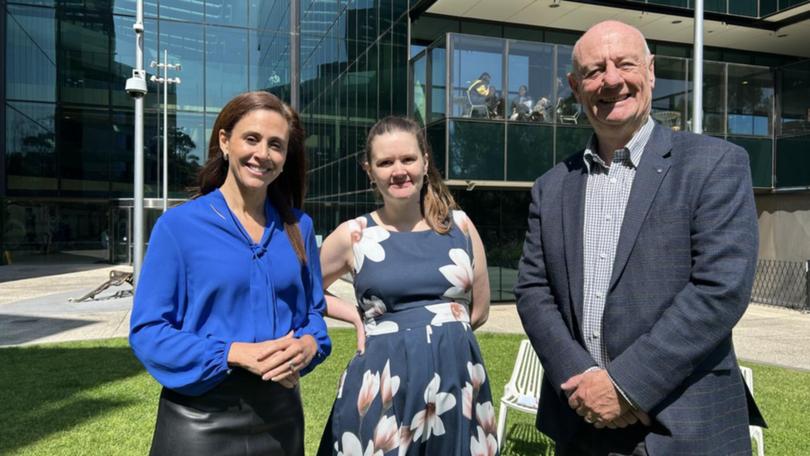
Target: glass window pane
(83, 136)
(714, 92)
(670, 98)
(84, 57)
(225, 61)
(569, 140)
(477, 76)
(750, 100)
(476, 150)
(419, 87)
(743, 7)
(795, 98)
(275, 15)
(566, 109)
(30, 54)
(438, 82)
(531, 76)
(531, 151)
(185, 45)
(760, 153)
(30, 148)
(186, 147)
(226, 12)
(767, 7)
(793, 161)
(436, 139)
(128, 7)
(183, 10)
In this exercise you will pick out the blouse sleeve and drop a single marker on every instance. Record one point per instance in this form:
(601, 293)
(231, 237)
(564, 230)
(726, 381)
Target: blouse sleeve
(314, 325)
(180, 360)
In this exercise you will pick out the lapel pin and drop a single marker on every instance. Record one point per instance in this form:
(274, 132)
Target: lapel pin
(658, 170)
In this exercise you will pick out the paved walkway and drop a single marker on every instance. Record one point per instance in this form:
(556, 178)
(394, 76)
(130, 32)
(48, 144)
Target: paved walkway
(37, 309)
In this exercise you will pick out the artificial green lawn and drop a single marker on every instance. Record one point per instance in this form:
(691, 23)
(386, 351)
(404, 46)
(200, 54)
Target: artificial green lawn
(94, 398)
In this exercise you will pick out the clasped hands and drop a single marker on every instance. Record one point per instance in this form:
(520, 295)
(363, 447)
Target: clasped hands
(594, 397)
(278, 360)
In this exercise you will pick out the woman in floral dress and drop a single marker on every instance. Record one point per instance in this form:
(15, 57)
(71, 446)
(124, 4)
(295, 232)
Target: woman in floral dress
(417, 384)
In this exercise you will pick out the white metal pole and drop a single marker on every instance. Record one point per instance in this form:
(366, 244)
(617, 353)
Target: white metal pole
(697, 71)
(138, 241)
(165, 129)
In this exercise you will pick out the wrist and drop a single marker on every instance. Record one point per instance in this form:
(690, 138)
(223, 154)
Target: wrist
(235, 354)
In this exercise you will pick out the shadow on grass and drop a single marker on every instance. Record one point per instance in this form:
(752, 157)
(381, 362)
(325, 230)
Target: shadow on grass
(523, 439)
(49, 390)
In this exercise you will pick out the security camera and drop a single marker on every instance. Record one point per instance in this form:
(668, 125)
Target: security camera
(136, 85)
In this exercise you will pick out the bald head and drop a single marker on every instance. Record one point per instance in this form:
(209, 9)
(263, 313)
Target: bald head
(596, 35)
(612, 79)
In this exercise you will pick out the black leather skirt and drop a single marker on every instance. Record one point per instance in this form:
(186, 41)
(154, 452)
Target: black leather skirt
(241, 416)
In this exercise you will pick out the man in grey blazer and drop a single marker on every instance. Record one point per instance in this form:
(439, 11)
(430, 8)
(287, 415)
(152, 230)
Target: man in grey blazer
(637, 264)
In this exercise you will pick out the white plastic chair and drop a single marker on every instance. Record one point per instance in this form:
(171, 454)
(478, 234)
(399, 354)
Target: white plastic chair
(523, 388)
(755, 431)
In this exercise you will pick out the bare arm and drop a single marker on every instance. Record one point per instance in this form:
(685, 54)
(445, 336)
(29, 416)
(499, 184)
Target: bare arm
(336, 260)
(480, 292)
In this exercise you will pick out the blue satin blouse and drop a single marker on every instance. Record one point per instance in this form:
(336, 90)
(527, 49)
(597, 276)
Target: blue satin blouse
(205, 284)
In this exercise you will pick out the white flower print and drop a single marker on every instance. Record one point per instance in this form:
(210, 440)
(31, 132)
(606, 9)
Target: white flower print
(448, 312)
(466, 400)
(405, 439)
(477, 375)
(462, 221)
(385, 327)
(373, 307)
(386, 435)
(366, 242)
(352, 446)
(340, 384)
(368, 391)
(428, 422)
(485, 445)
(485, 413)
(388, 386)
(459, 274)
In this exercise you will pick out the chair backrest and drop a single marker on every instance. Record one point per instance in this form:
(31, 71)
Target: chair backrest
(748, 376)
(527, 375)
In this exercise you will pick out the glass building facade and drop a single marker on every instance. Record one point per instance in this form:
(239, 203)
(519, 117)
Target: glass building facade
(67, 147)
(354, 70)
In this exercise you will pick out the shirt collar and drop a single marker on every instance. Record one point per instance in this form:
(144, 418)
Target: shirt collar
(635, 147)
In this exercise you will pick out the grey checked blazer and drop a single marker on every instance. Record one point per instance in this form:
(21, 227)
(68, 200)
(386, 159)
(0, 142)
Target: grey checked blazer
(681, 280)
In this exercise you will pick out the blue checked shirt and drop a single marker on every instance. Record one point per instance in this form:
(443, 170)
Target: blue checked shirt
(606, 195)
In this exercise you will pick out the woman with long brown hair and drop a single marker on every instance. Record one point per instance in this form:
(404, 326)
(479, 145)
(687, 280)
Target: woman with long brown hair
(417, 384)
(229, 307)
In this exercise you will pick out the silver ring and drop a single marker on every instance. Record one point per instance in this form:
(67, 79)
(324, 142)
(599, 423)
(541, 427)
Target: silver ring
(588, 420)
(292, 366)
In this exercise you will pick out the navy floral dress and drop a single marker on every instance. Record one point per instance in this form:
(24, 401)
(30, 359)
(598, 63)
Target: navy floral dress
(420, 387)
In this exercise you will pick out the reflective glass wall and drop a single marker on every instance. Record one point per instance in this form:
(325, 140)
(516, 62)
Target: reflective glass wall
(69, 123)
(793, 135)
(354, 70)
(513, 114)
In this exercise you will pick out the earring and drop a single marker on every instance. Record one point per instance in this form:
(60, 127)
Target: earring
(373, 183)
(225, 157)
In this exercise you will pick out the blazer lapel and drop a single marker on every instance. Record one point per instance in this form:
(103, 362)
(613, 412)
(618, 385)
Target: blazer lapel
(573, 207)
(651, 170)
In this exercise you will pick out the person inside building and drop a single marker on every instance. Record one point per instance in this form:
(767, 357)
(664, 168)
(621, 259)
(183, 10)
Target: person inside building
(521, 106)
(483, 98)
(228, 310)
(420, 278)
